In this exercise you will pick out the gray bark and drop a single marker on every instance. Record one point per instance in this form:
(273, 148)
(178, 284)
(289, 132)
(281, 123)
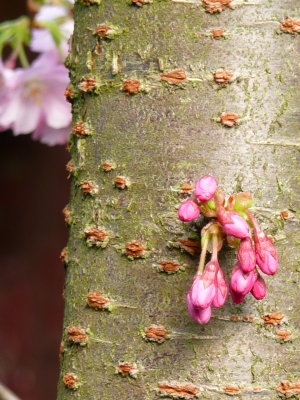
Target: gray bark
(160, 139)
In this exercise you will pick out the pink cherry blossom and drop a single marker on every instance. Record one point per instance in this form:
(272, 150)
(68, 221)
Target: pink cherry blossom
(36, 101)
(246, 255)
(233, 224)
(206, 188)
(203, 289)
(200, 315)
(266, 255)
(259, 288)
(237, 298)
(221, 290)
(188, 211)
(241, 282)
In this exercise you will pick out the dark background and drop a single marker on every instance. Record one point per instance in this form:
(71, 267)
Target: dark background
(34, 190)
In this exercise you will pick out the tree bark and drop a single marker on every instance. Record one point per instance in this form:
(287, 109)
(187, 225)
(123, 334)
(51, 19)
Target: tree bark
(164, 136)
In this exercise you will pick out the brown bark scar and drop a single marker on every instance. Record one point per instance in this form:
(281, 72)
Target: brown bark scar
(156, 333)
(232, 390)
(135, 249)
(229, 119)
(139, 3)
(179, 390)
(61, 351)
(187, 189)
(289, 389)
(174, 77)
(64, 255)
(69, 94)
(97, 301)
(218, 33)
(108, 166)
(127, 369)
(70, 381)
(102, 31)
(273, 319)
(283, 335)
(76, 335)
(70, 167)
(96, 237)
(190, 246)
(67, 214)
(216, 6)
(89, 187)
(79, 130)
(169, 266)
(245, 318)
(222, 77)
(291, 26)
(87, 84)
(121, 182)
(284, 215)
(131, 86)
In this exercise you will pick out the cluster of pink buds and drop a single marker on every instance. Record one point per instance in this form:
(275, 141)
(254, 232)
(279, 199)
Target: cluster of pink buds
(231, 221)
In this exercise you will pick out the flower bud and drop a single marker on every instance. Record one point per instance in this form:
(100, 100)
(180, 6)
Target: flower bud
(246, 255)
(188, 211)
(221, 290)
(200, 315)
(259, 288)
(206, 188)
(237, 298)
(241, 282)
(266, 255)
(203, 289)
(233, 224)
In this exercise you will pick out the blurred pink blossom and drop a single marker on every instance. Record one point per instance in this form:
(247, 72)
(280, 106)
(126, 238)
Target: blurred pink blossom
(34, 100)
(41, 39)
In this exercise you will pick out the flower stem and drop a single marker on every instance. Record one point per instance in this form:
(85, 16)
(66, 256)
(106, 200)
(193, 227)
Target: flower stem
(203, 255)
(215, 248)
(22, 57)
(253, 221)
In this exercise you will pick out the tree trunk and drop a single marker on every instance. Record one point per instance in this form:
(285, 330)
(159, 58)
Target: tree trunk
(134, 145)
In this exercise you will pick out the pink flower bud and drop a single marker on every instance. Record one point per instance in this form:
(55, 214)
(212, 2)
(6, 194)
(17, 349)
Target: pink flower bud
(203, 289)
(233, 224)
(237, 298)
(246, 255)
(241, 282)
(206, 188)
(221, 290)
(266, 255)
(200, 315)
(259, 288)
(188, 211)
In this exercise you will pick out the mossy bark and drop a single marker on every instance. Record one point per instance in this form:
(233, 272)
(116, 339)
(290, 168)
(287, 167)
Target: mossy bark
(159, 139)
